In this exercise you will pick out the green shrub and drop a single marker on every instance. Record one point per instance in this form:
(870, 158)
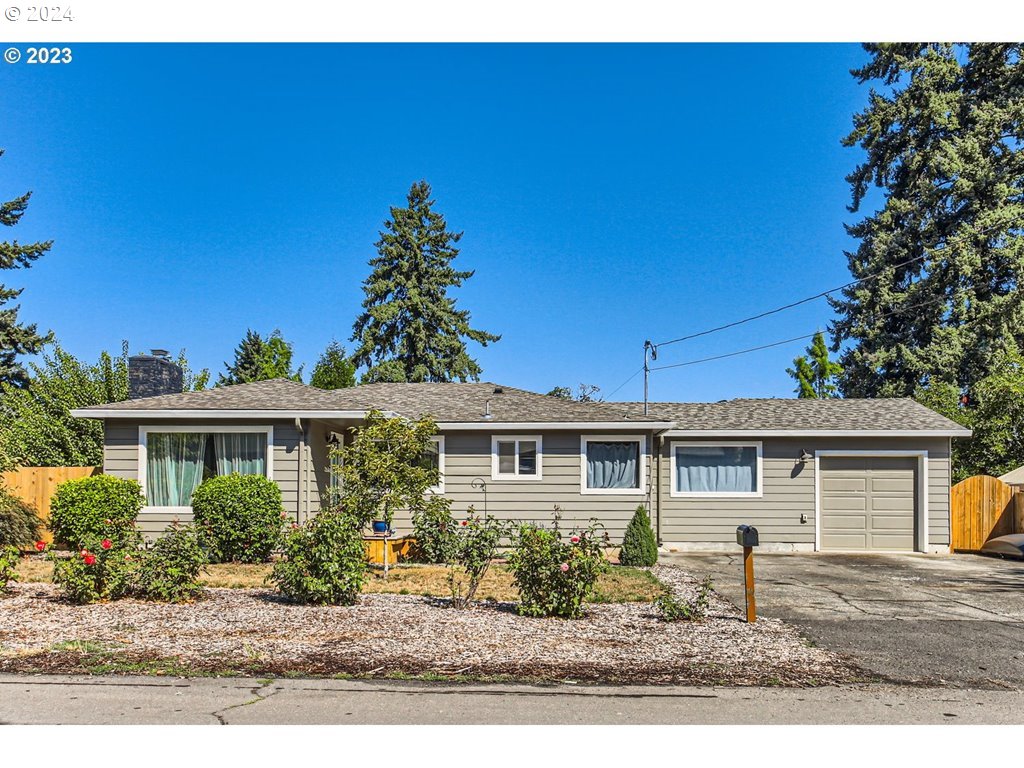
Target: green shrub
(19, 523)
(673, 609)
(239, 517)
(104, 568)
(324, 560)
(476, 542)
(554, 576)
(169, 571)
(639, 547)
(9, 558)
(436, 534)
(82, 511)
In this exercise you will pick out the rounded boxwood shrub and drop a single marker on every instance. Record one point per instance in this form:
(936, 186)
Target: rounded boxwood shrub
(324, 561)
(239, 517)
(19, 523)
(85, 509)
(639, 547)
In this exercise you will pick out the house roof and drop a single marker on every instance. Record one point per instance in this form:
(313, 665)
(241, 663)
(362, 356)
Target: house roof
(453, 404)
(896, 415)
(1014, 476)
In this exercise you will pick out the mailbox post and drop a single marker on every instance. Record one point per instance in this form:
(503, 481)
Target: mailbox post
(746, 537)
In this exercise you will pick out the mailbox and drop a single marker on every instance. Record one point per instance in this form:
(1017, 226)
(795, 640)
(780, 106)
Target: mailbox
(746, 536)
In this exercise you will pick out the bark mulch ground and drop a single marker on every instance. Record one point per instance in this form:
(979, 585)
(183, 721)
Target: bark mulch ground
(249, 631)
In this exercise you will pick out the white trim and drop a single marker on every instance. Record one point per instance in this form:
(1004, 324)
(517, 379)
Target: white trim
(515, 476)
(543, 426)
(921, 545)
(641, 440)
(677, 494)
(439, 488)
(145, 429)
(215, 413)
(818, 433)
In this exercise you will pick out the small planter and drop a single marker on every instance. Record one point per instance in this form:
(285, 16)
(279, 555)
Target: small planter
(380, 526)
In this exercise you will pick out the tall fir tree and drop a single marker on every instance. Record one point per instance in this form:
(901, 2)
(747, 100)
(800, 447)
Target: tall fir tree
(259, 359)
(816, 375)
(333, 370)
(410, 329)
(16, 338)
(943, 251)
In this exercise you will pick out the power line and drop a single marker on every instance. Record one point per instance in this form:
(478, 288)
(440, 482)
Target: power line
(783, 308)
(788, 341)
(638, 371)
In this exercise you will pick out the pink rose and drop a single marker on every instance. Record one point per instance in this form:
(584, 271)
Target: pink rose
(564, 567)
(575, 539)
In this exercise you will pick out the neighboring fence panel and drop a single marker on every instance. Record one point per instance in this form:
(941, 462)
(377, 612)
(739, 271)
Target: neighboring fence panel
(35, 485)
(981, 507)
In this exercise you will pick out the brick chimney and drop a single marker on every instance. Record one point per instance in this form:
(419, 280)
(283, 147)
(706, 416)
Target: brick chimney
(153, 374)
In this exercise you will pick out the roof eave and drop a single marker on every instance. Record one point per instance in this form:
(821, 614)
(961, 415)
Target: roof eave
(657, 426)
(217, 413)
(818, 433)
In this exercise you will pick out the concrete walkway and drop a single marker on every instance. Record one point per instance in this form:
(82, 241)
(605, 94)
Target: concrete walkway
(147, 700)
(946, 619)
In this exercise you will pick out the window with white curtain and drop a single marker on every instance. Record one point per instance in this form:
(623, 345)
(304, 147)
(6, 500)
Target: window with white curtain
(716, 469)
(174, 462)
(612, 465)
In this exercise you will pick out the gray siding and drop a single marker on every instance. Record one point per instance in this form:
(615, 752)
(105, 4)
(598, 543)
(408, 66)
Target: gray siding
(121, 458)
(789, 492)
(468, 456)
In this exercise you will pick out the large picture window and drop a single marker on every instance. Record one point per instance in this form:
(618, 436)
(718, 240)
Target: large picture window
(723, 469)
(174, 462)
(612, 465)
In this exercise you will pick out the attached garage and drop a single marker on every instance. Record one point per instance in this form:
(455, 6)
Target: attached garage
(870, 503)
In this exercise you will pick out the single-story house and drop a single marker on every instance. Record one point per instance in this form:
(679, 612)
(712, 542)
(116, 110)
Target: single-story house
(857, 475)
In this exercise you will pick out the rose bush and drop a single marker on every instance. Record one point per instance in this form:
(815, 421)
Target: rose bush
(9, 559)
(554, 576)
(324, 560)
(475, 544)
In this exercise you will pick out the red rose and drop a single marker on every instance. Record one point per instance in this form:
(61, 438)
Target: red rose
(464, 522)
(40, 546)
(106, 544)
(90, 559)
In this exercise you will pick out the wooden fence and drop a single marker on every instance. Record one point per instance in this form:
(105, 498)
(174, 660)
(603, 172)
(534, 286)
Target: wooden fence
(35, 485)
(983, 507)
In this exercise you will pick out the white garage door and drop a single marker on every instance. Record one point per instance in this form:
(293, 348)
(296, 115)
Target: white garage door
(868, 503)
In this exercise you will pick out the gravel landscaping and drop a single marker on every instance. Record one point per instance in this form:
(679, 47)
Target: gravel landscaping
(252, 631)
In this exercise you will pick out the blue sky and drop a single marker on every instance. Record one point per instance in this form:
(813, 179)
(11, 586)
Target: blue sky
(608, 194)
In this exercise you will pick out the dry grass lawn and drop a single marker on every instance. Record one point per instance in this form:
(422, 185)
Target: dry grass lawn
(617, 585)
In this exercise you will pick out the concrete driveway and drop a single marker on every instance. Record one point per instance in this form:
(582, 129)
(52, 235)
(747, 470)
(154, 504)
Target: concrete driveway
(954, 619)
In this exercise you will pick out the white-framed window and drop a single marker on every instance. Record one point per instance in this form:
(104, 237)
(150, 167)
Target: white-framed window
(516, 457)
(716, 470)
(434, 457)
(174, 460)
(613, 464)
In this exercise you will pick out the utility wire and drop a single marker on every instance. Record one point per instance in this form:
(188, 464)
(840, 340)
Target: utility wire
(638, 372)
(781, 309)
(787, 341)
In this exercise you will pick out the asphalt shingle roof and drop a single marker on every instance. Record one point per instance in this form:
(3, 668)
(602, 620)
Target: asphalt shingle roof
(467, 402)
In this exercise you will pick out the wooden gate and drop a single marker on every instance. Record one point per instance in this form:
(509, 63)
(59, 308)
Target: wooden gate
(35, 485)
(981, 507)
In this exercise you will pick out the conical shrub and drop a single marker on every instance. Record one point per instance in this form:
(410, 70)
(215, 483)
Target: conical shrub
(639, 547)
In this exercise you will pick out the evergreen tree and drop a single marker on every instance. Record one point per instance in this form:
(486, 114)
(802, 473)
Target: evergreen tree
(815, 374)
(409, 329)
(639, 547)
(334, 370)
(36, 425)
(943, 251)
(259, 359)
(17, 339)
